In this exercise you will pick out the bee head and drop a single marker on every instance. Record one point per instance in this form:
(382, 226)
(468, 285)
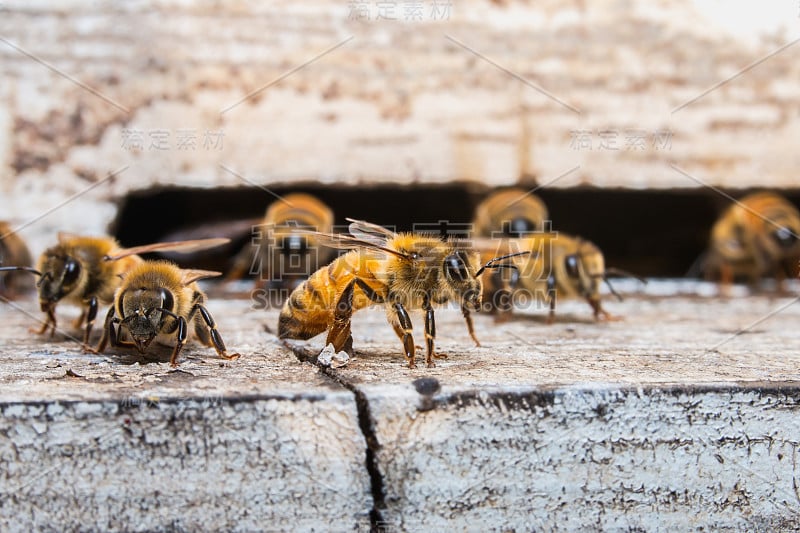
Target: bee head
(585, 269)
(461, 279)
(60, 275)
(143, 312)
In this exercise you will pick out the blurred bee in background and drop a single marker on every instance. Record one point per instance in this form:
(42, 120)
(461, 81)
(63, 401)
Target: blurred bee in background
(756, 237)
(285, 251)
(157, 300)
(558, 266)
(85, 271)
(13, 251)
(510, 213)
(402, 272)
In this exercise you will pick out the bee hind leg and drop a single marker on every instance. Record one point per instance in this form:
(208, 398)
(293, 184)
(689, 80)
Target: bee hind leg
(339, 334)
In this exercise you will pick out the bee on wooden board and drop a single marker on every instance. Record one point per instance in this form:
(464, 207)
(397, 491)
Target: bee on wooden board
(287, 252)
(510, 213)
(558, 266)
(403, 272)
(159, 301)
(85, 271)
(755, 237)
(13, 251)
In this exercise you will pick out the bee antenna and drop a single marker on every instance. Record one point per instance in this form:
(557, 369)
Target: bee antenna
(166, 312)
(490, 264)
(42, 277)
(25, 269)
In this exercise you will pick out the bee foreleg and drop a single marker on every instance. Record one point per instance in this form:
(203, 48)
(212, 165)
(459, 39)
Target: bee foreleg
(50, 322)
(216, 338)
(109, 332)
(430, 332)
(551, 297)
(405, 327)
(339, 334)
(470, 326)
(91, 314)
(181, 333)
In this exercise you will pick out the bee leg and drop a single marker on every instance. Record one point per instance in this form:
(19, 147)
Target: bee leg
(339, 334)
(551, 297)
(50, 322)
(181, 335)
(90, 314)
(600, 313)
(430, 332)
(470, 326)
(216, 338)
(109, 332)
(405, 328)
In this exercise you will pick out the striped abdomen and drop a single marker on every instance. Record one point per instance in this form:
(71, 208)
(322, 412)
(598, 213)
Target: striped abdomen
(309, 309)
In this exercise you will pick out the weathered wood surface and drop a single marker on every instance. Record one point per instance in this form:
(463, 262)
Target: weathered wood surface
(646, 423)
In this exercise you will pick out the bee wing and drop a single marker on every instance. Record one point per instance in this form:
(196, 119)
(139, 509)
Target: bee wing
(349, 242)
(190, 276)
(176, 246)
(369, 232)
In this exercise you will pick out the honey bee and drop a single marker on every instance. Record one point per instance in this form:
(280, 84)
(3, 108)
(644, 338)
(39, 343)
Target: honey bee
(288, 252)
(510, 213)
(755, 237)
(85, 271)
(158, 300)
(402, 272)
(558, 266)
(13, 251)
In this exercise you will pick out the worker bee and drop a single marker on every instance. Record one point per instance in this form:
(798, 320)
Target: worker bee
(402, 272)
(158, 300)
(510, 213)
(284, 251)
(85, 271)
(757, 236)
(13, 251)
(558, 266)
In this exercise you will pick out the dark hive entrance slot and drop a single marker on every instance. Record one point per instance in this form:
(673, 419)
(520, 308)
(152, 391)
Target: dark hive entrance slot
(650, 233)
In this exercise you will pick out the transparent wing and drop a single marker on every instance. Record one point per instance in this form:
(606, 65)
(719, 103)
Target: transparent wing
(369, 232)
(176, 246)
(189, 276)
(349, 242)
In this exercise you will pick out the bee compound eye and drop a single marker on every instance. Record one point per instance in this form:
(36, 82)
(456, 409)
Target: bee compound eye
(517, 227)
(784, 237)
(167, 301)
(72, 270)
(571, 265)
(456, 268)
